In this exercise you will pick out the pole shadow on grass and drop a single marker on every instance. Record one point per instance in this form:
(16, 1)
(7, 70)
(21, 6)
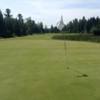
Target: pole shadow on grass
(77, 37)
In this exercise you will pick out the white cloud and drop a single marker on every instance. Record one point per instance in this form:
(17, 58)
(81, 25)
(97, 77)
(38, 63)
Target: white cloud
(49, 11)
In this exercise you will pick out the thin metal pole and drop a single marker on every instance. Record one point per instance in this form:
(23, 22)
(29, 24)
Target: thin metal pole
(65, 50)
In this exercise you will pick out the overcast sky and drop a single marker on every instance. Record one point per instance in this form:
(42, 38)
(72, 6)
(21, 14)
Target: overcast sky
(50, 11)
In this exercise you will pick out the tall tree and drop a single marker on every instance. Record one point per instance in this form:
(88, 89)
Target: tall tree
(8, 13)
(8, 23)
(21, 26)
(40, 26)
(1, 24)
(75, 25)
(30, 26)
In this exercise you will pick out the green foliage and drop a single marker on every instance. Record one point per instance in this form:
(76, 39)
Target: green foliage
(96, 31)
(8, 13)
(9, 24)
(30, 26)
(82, 25)
(54, 29)
(1, 24)
(78, 37)
(11, 27)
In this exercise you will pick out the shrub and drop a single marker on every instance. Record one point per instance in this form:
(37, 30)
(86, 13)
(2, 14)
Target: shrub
(96, 31)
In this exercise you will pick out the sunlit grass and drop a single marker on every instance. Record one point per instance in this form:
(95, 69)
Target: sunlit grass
(35, 68)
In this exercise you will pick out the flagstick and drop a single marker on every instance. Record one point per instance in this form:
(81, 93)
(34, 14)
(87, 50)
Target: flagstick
(66, 55)
(65, 49)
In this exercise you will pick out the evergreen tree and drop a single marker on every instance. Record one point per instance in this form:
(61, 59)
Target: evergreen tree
(82, 26)
(1, 24)
(21, 26)
(31, 26)
(40, 26)
(8, 24)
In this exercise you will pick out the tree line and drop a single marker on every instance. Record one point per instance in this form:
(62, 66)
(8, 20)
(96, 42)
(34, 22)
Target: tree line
(10, 26)
(83, 25)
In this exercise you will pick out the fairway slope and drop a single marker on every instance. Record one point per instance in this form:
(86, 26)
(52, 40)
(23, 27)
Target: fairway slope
(35, 68)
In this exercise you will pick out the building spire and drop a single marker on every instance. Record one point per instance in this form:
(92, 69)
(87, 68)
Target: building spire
(60, 24)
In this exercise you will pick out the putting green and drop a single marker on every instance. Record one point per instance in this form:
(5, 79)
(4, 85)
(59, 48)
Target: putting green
(34, 68)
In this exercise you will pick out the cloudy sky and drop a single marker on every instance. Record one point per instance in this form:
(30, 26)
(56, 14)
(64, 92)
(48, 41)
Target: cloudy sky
(50, 11)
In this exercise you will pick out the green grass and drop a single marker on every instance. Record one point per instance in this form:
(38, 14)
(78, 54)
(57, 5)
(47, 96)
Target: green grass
(34, 68)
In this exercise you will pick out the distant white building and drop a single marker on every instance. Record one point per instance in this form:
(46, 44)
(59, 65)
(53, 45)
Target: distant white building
(60, 24)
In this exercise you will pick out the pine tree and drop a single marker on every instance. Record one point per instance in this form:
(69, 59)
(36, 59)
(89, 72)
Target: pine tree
(8, 23)
(1, 24)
